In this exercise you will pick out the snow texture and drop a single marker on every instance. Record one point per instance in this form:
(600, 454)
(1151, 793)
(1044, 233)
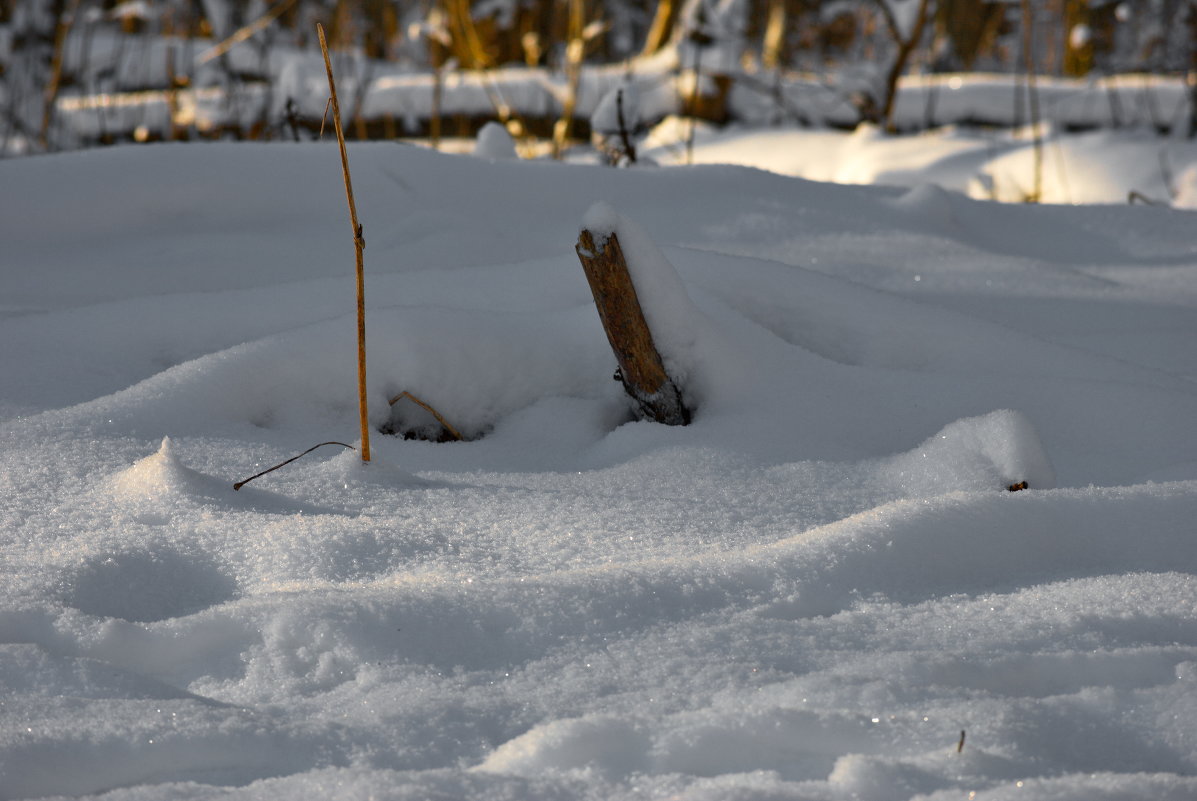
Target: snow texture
(821, 589)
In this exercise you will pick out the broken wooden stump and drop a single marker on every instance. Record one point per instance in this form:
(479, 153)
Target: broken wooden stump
(641, 370)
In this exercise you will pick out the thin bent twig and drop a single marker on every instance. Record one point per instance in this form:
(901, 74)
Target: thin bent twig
(453, 432)
(243, 33)
(241, 484)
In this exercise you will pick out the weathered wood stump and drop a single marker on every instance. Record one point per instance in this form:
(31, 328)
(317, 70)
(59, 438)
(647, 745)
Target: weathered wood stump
(641, 370)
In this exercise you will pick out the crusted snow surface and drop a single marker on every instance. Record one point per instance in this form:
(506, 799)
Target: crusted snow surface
(820, 589)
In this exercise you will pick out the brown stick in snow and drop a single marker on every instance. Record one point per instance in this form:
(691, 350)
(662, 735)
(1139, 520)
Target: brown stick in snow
(640, 367)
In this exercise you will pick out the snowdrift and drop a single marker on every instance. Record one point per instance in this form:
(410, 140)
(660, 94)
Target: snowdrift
(820, 589)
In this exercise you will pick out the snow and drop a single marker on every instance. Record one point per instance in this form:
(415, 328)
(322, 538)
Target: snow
(122, 85)
(1079, 168)
(810, 592)
(619, 109)
(494, 142)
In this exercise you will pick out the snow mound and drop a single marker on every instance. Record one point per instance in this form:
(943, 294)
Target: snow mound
(607, 745)
(617, 110)
(161, 474)
(930, 200)
(159, 487)
(999, 449)
(494, 142)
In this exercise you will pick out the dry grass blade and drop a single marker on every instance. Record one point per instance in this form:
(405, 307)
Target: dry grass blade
(50, 96)
(243, 33)
(453, 432)
(359, 245)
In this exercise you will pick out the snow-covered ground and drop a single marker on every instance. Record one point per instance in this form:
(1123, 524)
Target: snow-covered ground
(1074, 168)
(821, 589)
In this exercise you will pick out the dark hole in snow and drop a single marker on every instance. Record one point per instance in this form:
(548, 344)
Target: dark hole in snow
(412, 419)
